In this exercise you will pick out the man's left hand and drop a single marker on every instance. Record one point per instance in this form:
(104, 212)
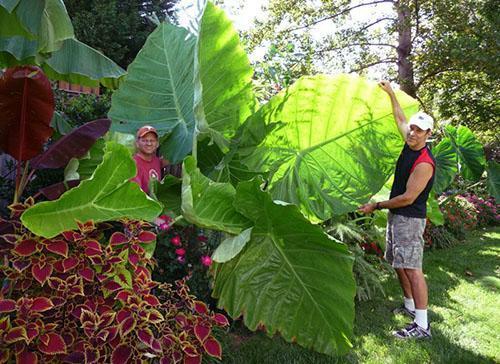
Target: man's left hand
(367, 208)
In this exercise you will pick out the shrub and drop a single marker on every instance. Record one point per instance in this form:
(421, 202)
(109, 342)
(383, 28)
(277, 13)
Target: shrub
(87, 296)
(185, 252)
(460, 215)
(438, 237)
(486, 209)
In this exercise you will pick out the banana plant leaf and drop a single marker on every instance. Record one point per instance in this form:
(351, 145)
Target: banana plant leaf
(26, 106)
(335, 147)
(107, 195)
(159, 91)
(74, 145)
(77, 63)
(224, 96)
(290, 277)
(47, 21)
(10, 25)
(493, 180)
(209, 204)
(446, 165)
(469, 150)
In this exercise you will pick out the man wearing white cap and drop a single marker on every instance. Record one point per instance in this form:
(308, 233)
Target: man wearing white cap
(413, 181)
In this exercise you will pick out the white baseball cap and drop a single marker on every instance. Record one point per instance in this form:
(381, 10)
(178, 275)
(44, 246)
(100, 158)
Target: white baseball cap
(422, 120)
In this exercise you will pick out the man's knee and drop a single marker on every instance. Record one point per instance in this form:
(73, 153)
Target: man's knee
(414, 274)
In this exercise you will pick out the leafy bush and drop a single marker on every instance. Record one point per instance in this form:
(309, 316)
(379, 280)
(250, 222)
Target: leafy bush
(438, 237)
(460, 215)
(486, 209)
(87, 296)
(82, 108)
(184, 252)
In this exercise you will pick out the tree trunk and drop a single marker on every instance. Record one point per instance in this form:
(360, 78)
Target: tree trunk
(405, 66)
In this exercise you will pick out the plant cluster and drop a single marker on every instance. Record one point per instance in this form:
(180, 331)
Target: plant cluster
(487, 213)
(460, 215)
(87, 296)
(185, 252)
(438, 237)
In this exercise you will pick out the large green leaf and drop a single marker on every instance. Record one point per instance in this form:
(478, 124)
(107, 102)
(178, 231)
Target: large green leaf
(107, 195)
(469, 150)
(434, 213)
(446, 165)
(209, 204)
(493, 181)
(224, 75)
(9, 5)
(232, 246)
(336, 146)
(47, 21)
(168, 192)
(158, 91)
(290, 277)
(78, 63)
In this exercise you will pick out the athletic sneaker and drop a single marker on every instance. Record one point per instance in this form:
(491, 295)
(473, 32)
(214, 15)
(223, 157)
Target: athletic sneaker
(413, 331)
(404, 311)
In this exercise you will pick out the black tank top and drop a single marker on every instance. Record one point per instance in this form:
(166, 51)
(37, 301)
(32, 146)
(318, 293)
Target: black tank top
(407, 161)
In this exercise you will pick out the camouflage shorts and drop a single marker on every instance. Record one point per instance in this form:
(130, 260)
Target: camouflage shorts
(405, 241)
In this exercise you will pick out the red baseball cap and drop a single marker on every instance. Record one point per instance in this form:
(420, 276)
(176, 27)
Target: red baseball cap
(146, 129)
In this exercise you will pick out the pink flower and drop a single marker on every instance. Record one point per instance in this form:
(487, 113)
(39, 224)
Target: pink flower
(180, 251)
(181, 259)
(164, 226)
(206, 260)
(176, 240)
(202, 238)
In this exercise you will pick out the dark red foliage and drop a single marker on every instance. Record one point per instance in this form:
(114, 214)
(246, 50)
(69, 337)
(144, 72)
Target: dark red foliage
(83, 298)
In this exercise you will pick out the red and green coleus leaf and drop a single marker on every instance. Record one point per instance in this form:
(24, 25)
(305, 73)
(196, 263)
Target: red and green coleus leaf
(59, 247)
(41, 272)
(70, 263)
(27, 107)
(4, 324)
(145, 336)
(41, 304)
(127, 325)
(146, 237)
(221, 320)
(200, 307)
(21, 265)
(151, 300)
(118, 238)
(202, 332)
(15, 334)
(121, 354)
(213, 348)
(26, 247)
(52, 344)
(192, 359)
(32, 331)
(7, 305)
(26, 357)
(87, 274)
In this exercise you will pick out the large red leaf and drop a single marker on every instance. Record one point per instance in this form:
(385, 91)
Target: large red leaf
(26, 107)
(53, 192)
(213, 348)
(121, 354)
(202, 332)
(26, 247)
(52, 344)
(26, 357)
(73, 145)
(41, 304)
(59, 247)
(7, 305)
(41, 272)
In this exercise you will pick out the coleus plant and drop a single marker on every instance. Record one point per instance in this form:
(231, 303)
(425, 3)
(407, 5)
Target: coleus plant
(86, 296)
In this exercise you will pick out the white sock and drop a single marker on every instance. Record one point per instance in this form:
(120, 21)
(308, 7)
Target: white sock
(409, 304)
(421, 318)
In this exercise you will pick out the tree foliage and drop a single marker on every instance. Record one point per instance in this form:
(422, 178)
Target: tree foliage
(444, 52)
(117, 28)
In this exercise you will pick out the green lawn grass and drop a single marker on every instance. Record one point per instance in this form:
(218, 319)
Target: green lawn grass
(464, 312)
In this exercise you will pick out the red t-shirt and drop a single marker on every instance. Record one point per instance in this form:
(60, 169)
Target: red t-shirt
(147, 170)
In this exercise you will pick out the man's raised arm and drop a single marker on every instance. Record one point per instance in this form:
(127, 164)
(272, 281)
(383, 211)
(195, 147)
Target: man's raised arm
(399, 116)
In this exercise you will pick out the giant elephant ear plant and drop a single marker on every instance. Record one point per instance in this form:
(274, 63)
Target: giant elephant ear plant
(325, 145)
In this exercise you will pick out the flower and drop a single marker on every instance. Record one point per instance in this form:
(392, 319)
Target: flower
(202, 238)
(180, 251)
(181, 259)
(164, 226)
(176, 240)
(206, 260)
